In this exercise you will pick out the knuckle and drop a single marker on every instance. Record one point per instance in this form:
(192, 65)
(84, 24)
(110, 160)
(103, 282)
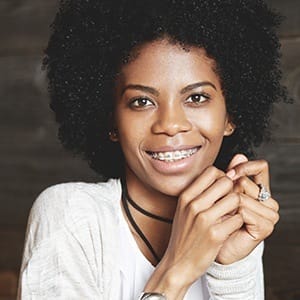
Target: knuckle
(265, 229)
(202, 219)
(269, 228)
(236, 198)
(276, 218)
(211, 170)
(239, 218)
(226, 180)
(242, 200)
(243, 180)
(276, 206)
(215, 172)
(242, 211)
(193, 208)
(214, 235)
(242, 169)
(184, 199)
(264, 163)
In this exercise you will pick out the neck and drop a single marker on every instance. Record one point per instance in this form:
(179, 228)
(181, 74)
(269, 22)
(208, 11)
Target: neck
(150, 199)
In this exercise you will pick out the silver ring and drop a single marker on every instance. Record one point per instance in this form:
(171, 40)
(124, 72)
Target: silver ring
(263, 194)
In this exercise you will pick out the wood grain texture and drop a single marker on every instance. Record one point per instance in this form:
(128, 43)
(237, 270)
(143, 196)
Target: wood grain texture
(31, 158)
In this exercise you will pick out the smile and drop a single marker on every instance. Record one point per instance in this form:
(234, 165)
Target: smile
(171, 156)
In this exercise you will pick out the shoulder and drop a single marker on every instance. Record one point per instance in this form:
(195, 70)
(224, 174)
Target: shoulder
(68, 204)
(66, 190)
(69, 235)
(77, 195)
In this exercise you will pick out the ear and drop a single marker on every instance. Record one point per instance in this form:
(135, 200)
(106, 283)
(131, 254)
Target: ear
(113, 133)
(229, 127)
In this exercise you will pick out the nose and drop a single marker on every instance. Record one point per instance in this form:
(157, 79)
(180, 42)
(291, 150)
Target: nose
(171, 120)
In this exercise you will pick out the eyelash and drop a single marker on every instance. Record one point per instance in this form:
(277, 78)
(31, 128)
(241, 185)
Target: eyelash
(200, 95)
(134, 102)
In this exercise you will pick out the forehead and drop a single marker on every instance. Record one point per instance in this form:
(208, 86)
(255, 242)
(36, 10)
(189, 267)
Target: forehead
(162, 60)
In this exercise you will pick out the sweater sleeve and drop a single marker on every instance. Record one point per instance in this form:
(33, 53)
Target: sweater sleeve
(62, 248)
(240, 280)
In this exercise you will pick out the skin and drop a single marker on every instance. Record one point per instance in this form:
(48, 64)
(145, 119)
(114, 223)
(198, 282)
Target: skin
(216, 215)
(173, 119)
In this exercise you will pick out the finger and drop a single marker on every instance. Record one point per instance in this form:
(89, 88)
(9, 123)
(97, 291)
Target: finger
(259, 209)
(206, 179)
(218, 190)
(247, 186)
(224, 229)
(258, 169)
(236, 160)
(257, 226)
(224, 207)
(218, 212)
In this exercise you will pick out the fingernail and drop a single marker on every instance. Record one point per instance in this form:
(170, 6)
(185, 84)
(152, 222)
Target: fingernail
(231, 173)
(241, 158)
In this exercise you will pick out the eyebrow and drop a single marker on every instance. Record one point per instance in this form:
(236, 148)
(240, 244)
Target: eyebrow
(155, 92)
(140, 87)
(196, 85)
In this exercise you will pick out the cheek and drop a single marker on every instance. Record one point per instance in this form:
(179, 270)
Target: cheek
(211, 124)
(131, 131)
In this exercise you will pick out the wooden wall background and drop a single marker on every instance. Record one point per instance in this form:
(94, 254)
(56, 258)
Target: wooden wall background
(31, 158)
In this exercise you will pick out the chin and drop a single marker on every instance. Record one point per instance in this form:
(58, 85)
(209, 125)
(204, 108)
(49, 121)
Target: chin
(173, 187)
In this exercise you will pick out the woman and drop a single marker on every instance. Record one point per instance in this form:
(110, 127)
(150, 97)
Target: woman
(164, 97)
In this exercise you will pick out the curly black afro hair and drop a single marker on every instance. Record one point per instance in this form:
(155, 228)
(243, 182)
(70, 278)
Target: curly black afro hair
(92, 39)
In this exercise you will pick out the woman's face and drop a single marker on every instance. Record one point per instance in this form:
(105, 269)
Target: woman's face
(170, 116)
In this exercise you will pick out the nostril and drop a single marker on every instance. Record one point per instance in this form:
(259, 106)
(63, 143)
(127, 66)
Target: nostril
(172, 125)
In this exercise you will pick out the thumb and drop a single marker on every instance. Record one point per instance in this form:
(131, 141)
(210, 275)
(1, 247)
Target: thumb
(236, 160)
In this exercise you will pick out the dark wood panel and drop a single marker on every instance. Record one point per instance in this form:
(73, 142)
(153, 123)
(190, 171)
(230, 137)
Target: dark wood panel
(290, 9)
(32, 158)
(282, 261)
(24, 26)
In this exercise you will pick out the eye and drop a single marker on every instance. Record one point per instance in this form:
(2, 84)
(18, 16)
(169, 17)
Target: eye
(198, 98)
(141, 102)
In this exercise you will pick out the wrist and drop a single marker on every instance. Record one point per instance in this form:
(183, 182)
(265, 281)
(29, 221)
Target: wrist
(152, 296)
(166, 281)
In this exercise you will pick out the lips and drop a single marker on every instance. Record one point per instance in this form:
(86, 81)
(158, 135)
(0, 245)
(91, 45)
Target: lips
(174, 155)
(173, 161)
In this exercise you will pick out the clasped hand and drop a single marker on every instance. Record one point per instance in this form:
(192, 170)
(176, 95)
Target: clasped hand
(218, 218)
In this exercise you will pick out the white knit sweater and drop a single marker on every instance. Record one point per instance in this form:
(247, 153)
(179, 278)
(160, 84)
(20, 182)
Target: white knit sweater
(72, 250)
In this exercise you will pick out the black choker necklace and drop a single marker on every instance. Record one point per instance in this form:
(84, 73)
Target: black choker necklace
(147, 213)
(125, 200)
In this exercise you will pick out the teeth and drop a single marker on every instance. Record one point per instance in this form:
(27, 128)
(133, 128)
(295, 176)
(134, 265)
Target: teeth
(171, 156)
